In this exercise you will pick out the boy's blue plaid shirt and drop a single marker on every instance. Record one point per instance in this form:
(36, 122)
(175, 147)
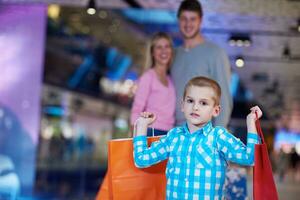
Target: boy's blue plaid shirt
(197, 162)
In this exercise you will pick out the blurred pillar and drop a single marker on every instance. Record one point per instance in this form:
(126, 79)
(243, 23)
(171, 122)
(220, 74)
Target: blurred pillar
(22, 40)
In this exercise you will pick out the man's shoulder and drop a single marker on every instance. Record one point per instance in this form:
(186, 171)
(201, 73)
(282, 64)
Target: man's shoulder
(178, 49)
(213, 46)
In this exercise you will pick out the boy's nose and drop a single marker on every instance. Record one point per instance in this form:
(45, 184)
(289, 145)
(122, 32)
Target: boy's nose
(195, 106)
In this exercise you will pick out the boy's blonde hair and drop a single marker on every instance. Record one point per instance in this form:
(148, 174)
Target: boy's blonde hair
(202, 81)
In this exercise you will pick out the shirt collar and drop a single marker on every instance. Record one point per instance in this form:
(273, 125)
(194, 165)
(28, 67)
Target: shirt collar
(205, 130)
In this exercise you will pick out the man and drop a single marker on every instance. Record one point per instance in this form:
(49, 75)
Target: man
(198, 57)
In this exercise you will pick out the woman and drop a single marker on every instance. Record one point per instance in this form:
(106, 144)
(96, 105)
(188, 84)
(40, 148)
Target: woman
(155, 90)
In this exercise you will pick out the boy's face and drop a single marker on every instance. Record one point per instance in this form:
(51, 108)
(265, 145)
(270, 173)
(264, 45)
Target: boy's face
(189, 24)
(199, 106)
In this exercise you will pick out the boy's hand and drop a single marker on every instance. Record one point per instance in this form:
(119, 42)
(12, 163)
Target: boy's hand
(146, 118)
(252, 115)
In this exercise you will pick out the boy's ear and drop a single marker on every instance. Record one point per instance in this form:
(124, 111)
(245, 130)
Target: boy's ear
(217, 110)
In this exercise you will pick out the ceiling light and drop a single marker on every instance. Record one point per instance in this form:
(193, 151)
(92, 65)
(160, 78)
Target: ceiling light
(240, 62)
(240, 40)
(102, 14)
(91, 10)
(53, 11)
(231, 42)
(247, 43)
(239, 43)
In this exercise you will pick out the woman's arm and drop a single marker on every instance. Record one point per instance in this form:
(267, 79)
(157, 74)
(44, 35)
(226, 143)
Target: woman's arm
(140, 97)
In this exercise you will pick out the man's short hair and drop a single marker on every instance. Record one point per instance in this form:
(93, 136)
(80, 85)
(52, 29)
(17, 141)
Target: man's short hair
(201, 81)
(190, 5)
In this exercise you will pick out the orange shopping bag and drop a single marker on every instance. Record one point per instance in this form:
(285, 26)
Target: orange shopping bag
(124, 181)
(105, 193)
(264, 187)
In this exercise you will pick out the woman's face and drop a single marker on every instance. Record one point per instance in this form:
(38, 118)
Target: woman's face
(162, 52)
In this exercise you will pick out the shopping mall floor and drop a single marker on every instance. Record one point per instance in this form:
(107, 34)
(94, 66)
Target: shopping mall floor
(288, 189)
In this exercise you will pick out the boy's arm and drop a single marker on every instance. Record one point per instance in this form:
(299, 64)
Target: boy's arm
(145, 156)
(158, 151)
(236, 151)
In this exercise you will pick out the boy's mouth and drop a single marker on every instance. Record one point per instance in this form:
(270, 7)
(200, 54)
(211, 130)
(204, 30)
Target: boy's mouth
(195, 115)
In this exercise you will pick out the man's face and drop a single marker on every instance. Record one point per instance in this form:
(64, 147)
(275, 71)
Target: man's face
(189, 24)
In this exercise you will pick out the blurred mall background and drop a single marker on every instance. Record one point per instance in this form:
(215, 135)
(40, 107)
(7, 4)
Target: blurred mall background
(68, 77)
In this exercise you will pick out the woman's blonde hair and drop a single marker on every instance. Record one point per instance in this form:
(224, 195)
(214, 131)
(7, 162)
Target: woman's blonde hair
(150, 46)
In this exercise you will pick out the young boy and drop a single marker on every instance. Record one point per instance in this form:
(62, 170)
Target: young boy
(197, 151)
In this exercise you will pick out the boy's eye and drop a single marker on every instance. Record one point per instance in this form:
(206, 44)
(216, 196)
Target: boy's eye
(189, 100)
(203, 103)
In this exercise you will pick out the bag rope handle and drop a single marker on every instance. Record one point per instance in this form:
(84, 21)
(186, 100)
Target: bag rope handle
(259, 130)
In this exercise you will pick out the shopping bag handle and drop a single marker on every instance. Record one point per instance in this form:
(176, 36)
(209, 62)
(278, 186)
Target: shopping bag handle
(259, 130)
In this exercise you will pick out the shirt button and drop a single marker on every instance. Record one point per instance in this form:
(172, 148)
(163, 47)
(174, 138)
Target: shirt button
(186, 179)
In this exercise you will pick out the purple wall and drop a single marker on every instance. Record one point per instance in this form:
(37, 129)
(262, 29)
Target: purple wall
(22, 40)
